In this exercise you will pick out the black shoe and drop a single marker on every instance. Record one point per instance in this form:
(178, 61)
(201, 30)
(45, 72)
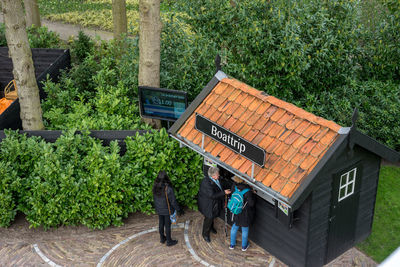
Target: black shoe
(207, 239)
(172, 243)
(213, 231)
(163, 239)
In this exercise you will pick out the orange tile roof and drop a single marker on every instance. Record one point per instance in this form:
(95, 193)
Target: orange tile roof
(294, 139)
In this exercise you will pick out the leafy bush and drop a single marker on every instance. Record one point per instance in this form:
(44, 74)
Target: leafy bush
(41, 37)
(7, 200)
(38, 37)
(77, 180)
(81, 47)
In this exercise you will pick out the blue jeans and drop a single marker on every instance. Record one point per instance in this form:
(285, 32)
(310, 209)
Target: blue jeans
(245, 234)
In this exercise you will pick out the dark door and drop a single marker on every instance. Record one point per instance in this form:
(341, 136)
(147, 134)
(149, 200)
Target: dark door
(343, 211)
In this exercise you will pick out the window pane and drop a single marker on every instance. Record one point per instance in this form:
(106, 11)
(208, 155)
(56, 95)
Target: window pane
(352, 175)
(350, 189)
(342, 193)
(343, 180)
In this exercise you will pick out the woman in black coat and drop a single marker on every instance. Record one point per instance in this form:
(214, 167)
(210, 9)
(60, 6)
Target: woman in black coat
(161, 189)
(245, 218)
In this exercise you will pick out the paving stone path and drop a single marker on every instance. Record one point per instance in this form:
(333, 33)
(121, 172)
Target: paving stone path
(136, 243)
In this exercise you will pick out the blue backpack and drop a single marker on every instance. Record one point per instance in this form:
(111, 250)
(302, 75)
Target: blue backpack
(235, 204)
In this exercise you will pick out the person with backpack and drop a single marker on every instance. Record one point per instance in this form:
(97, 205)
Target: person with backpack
(241, 205)
(211, 201)
(165, 204)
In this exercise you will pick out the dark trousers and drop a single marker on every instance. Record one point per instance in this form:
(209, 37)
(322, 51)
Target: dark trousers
(208, 224)
(164, 222)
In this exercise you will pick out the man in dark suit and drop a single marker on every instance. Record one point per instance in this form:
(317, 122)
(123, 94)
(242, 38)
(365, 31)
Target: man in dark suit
(211, 200)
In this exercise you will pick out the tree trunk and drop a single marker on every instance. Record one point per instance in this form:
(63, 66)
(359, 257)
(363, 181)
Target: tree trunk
(149, 46)
(119, 18)
(32, 13)
(23, 69)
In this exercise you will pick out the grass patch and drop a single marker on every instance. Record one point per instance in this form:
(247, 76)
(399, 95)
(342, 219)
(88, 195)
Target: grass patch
(385, 236)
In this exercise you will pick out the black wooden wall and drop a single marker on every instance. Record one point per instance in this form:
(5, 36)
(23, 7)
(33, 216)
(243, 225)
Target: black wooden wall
(288, 245)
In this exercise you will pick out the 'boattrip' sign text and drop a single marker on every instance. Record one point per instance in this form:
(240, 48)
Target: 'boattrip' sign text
(231, 140)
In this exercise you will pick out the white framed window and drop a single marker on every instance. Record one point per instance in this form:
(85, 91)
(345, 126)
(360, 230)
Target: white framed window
(347, 183)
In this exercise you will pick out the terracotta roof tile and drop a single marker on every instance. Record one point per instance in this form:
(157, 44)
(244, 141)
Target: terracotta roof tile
(288, 189)
(225, 154)
(260, 123)
(258, 138)
(232, 108)
(298, 175)
(189, 125)
(328, 138)
(267, 127)
(220, 88)
(285, 118)
(293, 123)
(228, 91)
(291, 138)
(308, 162)
(260, 176)
(288, 170)
(281, 149)
(298, 158)
(245, 166)
(318, 149)
(238, 162)
(238, 112)
(307, 147)
(302, 127)
(210, 99)
(197, 138)
(244, 130)
(241, 97)
(278, 114)
(234, 157)
(269, 178)
(330, 124)
(266, 141)
(286, 132)
(279, 165)
(300, 141)
(225, 105)
(237, 126)
(210, 112)
(215, 116)
(289, 153)
(276, 130)
(192, 135)
(222, 119)
(234, 95)
(229, 122)
(278, 183)
(272, 146)
(311, 130)
(202, 109)
(250, 135)
(217, 149)
(219, 101)
(246, 116)
(270, 111)
(257, 169)
(210, 145)
(254, 119)
(255, 104)
(321, 133)
(270, 160)
(262, 108)
(247, 101)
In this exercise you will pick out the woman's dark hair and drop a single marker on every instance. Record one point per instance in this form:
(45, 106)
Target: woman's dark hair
(161, 181)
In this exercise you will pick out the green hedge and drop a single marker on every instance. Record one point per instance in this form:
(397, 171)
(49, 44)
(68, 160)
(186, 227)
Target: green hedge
(77, 180)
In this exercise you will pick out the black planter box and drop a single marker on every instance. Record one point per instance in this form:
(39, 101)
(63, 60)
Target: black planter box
(46, 62)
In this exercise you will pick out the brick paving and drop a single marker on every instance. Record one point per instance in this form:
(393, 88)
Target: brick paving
(79, 246)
